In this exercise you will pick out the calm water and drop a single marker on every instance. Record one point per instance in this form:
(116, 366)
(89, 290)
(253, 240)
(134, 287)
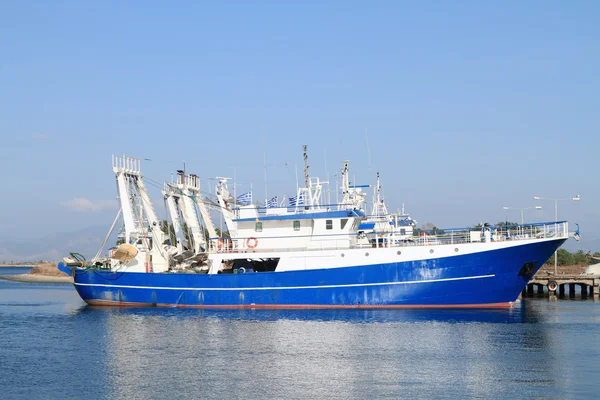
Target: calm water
(53, 346)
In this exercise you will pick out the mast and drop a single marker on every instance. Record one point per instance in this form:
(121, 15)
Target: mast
(377, 203)
(306, 177)
(345, 181)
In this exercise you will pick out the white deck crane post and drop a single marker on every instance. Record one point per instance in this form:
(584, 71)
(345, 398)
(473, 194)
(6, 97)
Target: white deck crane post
(158, 260)
(223, 198)
(171, 199)
(121, 167)
(189, 213)
(194, 190)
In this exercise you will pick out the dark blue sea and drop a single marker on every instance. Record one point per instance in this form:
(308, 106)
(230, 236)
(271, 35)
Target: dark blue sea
(52, 346)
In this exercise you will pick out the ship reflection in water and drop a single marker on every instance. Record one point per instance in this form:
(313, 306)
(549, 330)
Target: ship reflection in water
(536, 349)
(331, 353)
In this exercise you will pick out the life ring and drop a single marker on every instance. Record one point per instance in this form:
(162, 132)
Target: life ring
(241, 270)
(220, 243)
(251, 242)
(552, 286)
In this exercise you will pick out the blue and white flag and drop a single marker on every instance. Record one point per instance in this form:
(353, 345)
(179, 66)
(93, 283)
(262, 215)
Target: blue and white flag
(272, 203)
(245, 199)
(296, 201)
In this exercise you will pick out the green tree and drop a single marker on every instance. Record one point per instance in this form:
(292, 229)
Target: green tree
(580, 258)
(430, 227)
(566, 258)
(507, 225)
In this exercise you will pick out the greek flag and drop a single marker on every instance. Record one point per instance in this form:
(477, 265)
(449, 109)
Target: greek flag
(245, 199)
(296, 201)
(272, 203)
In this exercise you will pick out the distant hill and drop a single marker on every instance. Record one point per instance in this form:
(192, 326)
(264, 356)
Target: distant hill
(54, 246)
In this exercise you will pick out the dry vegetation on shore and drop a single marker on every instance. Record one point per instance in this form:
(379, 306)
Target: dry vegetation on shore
(48, 269)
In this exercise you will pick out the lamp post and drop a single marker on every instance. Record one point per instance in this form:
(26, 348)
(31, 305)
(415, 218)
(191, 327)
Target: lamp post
(521, 209)
(576, 198)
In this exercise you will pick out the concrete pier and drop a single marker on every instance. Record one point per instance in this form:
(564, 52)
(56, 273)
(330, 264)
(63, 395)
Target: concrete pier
(555, 285)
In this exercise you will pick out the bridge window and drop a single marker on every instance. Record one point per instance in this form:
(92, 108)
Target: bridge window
(248, 265)
(328, 224)
(403, 231)
(343, 222)
(296, 225)
(258, 227)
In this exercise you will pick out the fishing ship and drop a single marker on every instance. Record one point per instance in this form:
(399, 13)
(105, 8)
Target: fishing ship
(303, 254)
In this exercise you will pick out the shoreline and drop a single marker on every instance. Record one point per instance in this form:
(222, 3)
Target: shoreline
(18, 266)
(37, 278)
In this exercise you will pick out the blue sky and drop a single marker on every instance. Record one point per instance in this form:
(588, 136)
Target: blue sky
(469, 106)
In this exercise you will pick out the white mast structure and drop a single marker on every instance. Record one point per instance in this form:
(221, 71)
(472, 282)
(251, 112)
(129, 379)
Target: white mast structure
(312, 190)
(352, 197)
(172, 199)
(182, 196)
(379, 208)
(188, 208)
(194, 191)
(223, 197)
(142, 227)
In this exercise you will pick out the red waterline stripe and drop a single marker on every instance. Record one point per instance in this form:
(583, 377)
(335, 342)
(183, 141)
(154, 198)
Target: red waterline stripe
(110, 303)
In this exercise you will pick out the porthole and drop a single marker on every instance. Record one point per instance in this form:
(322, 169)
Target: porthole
(431, 251)
(367, 254)
(456, 249)
(343, 255)
(398, 252)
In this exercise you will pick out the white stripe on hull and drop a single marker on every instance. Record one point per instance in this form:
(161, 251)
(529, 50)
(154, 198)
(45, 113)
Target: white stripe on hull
(288, 287)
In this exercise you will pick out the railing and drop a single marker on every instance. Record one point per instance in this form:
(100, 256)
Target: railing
(486, 234)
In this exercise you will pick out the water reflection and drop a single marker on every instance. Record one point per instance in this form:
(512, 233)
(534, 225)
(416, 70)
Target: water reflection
(518, 314)
(535, 349)
(326, 353)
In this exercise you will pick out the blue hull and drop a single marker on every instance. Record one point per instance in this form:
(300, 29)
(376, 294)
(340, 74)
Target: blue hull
(486, 279)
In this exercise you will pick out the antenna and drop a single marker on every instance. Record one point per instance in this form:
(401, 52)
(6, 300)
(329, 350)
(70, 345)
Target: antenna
(369, 157)
(264, 161)
(296, 165)
(328, 185)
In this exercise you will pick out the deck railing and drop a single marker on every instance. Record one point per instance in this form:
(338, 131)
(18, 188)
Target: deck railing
(543, 230)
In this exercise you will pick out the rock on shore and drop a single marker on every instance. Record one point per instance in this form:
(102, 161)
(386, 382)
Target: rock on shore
(37, 278)
(45, 273)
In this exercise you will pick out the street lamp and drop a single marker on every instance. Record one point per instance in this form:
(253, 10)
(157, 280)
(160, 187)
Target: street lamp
(576, 198)
(521, 209)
